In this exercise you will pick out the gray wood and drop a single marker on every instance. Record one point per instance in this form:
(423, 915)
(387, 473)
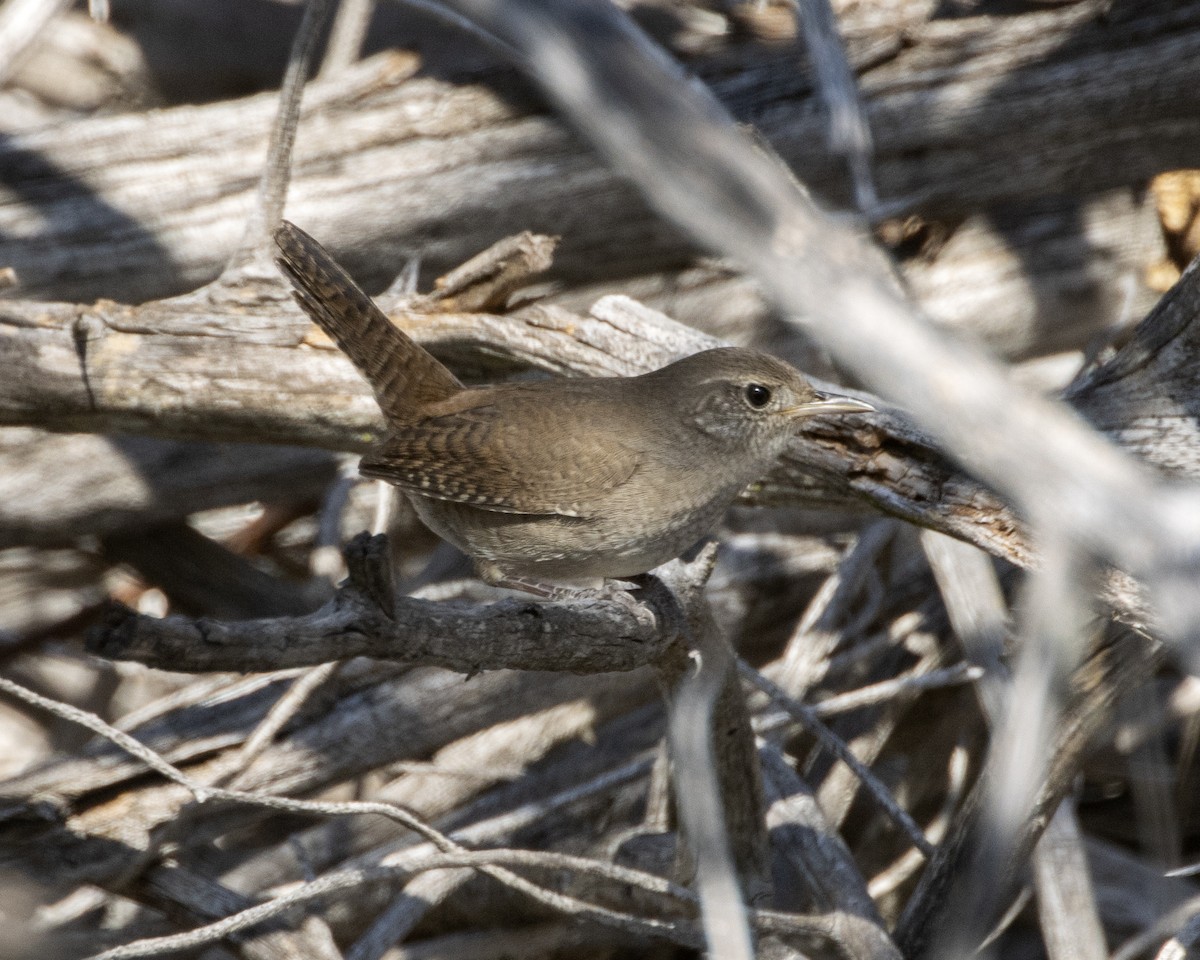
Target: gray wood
(204, 578)
(140, 206)
(57, 488)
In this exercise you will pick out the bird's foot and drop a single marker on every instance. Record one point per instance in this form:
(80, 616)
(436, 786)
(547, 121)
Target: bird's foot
(618, 590)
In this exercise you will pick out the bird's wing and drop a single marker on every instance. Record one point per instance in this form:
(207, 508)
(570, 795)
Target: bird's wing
(490, 457)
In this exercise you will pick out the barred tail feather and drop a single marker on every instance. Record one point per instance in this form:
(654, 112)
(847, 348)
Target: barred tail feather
(403, 374)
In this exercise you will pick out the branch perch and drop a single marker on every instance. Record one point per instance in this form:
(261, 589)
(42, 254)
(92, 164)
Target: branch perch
(579, 637)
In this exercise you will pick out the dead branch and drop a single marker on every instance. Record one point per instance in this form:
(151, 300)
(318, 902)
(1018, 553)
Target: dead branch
(956, 106)
(365, 619)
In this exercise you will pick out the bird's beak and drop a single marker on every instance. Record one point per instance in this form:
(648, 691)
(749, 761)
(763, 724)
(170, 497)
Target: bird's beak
(830, 403)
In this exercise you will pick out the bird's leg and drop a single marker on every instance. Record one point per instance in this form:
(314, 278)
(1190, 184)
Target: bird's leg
(618, 590)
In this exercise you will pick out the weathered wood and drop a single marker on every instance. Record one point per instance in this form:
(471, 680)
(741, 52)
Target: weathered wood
(1027, 280)
(1038, 278)
(57, 488)
(158, 368)
(74, 66)
(424, 167)
(592, 638)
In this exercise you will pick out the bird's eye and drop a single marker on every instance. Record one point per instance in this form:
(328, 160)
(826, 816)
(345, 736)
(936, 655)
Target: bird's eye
(757, 395)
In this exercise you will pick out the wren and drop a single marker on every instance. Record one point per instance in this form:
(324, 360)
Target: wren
(560, 481)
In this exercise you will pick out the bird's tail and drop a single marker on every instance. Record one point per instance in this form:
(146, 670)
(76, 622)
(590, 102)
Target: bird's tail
(403, 374)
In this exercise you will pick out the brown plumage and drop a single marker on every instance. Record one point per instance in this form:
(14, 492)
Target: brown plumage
(560, 480)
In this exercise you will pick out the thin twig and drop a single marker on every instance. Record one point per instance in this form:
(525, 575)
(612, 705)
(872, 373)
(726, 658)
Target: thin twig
(1163, 928)
(807, 718)
(849, 132)
(698, 796)
(1056, 626)
(273, 185)
(885, 690)
(806, 654)
(123, 740)
(893, 875)
(283, 710)
(346, 35)
(493, 862)
(346, 879)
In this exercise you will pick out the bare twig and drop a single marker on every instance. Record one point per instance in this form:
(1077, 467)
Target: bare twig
(363, 621)
(109, 732)
(806, 655)
(849, 132)
(830, 877)
(698, 779)
(272, 188)
(1166, 926)
(911, 860)
(808, 719)
(1067, 911)
(349, 879)
(346, 35)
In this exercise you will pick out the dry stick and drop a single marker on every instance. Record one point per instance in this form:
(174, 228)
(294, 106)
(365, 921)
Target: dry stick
(554, 938)
(511, 634)
(273, 185)
(346, 36)
(493, 862)
(123, 740)
(1067, 913)
(805, 657)
(874, 694)
(490, 748)
(345, 879)
(418, 897)
(890, 878)
(1176, 920)
(714, 763)
(691, 712)
(801, 833)
(233, 767)
(1023, 898)
(365, 580)
(839, 784)
(351, 879)
(677, 143)
(1152, 778)
(975, 604)
(201, 688)
(849, 132)
(974, 601)
(807, 718)
(1057, 623)
(1177, 948)
(507, 823)
(528, 737)
(282, 711)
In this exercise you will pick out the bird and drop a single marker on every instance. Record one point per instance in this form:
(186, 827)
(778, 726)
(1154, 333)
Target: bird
(555, 486)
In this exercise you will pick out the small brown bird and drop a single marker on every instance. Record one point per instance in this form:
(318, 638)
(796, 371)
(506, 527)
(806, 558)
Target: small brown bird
(560, 481)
